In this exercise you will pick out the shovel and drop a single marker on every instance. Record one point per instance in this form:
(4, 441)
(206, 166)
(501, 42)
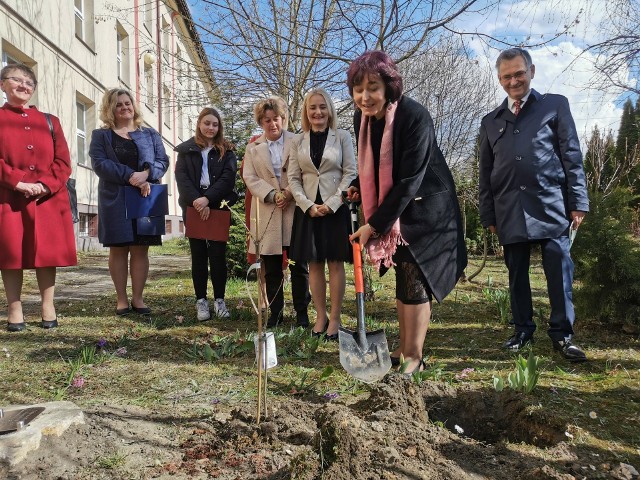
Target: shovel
(363, 355)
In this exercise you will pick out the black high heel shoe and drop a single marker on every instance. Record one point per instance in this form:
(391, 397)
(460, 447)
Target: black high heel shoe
(421, 365)
(47, 324)
(141, 310)
(16, 327)
(319, 334)
(331, 338)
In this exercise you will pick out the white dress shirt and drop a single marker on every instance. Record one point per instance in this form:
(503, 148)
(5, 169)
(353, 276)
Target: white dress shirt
(276, 149)
(204, 176)
(511, 102)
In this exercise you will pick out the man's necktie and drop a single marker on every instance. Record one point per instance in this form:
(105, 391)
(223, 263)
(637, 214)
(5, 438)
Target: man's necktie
(516, 107)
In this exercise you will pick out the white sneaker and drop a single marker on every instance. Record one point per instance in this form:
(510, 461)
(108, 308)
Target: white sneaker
(220, 309)
(202, 307)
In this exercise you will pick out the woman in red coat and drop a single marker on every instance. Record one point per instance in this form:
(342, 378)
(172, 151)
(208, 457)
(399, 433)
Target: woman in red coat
(36, 230)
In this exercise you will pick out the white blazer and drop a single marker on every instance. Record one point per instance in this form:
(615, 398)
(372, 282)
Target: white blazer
(336, 172)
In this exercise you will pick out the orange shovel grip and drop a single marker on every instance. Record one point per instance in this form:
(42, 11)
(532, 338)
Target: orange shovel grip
(357, 267)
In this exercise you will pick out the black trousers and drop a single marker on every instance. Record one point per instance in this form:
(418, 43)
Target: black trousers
(206, 256)
(558, 268)
(274, 277)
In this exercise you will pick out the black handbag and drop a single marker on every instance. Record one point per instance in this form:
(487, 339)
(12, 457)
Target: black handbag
(71, 182)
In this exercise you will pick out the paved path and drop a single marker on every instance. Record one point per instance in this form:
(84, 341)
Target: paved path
(91, 277)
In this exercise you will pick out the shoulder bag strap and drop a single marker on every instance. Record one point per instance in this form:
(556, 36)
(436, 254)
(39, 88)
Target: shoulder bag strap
(53, 135)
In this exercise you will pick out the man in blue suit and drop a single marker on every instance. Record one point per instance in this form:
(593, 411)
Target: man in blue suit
(533, 191)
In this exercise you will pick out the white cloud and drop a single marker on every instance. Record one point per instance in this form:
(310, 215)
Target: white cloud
(561, 65)
(562, 69)
(537, 21)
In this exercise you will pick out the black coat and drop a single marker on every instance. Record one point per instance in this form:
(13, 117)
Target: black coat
(222, 175)
(423, 197)
(531, 173)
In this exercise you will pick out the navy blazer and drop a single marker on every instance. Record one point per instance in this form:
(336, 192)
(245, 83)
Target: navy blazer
(113, 226)
(222, 176)
(423, 197)
(531, 171)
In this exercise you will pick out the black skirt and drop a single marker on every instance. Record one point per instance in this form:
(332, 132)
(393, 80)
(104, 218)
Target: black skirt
(321, 238)
(150, 240)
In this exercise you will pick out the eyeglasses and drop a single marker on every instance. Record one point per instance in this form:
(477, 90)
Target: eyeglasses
(20, 81)
(518, 76)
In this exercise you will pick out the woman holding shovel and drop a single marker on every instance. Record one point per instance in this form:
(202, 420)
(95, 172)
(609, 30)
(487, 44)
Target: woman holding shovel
(408, 197)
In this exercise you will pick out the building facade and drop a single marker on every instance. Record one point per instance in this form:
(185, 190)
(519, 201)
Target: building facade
(80, 48)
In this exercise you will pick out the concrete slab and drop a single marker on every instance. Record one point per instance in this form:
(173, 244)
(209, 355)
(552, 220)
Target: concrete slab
(56, 418)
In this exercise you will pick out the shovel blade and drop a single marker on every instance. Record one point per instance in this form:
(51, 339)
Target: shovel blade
(368, 363)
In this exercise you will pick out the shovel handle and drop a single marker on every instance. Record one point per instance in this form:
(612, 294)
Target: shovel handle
(357, 267)
(357, 250)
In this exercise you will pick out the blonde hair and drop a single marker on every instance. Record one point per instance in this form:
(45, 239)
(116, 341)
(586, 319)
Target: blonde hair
(306, 125)
(219, 142)
(277, 104)
(108, 107)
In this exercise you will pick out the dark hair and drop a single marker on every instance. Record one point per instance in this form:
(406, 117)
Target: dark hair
(219, 142)
(512, 53)
(19, 66)
(376, 62)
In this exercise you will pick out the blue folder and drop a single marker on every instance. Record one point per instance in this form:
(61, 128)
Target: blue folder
(156, 204)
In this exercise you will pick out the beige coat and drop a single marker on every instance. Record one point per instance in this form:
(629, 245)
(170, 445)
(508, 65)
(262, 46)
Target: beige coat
(274, 223)
(337, 170)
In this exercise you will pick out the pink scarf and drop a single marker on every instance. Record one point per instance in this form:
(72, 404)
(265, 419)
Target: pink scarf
(382, 248)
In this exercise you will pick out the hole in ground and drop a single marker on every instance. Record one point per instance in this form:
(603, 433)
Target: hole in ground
(492, 417)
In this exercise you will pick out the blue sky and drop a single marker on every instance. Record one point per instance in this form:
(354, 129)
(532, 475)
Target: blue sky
(561, 64)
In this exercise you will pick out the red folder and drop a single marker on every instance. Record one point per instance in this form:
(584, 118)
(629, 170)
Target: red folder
(215, 228)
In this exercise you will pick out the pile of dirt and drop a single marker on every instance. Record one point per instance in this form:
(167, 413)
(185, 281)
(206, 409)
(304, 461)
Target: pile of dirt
(388, 435)
(399, 431)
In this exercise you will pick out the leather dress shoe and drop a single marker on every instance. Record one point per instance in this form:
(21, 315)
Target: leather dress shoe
(569, 351)
(518, 341)
(121, 312)
(16, 327)
(273, 322)
(302, 320)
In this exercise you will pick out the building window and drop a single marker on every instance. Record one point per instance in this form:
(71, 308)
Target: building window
(88, 225)
(166, 106)
(81, 132)
(122, 53)
(79, 11)
(178, 64)
(148, 17)
(84, 120)
(167, 227)
(83, 11)
(181, 226)
(149, 83)
(166, 37)
(180, 121)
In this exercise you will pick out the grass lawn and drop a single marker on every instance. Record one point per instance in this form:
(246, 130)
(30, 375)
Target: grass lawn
(173, 363)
